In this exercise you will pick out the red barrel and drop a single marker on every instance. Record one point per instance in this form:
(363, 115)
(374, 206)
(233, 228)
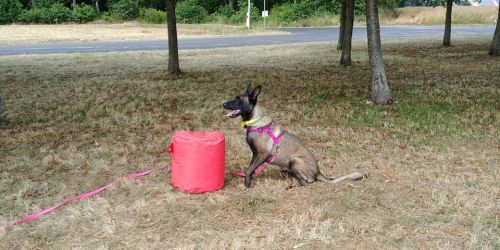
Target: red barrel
(198, 161)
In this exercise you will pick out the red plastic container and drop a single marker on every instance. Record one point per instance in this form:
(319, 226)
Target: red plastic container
(198, 161)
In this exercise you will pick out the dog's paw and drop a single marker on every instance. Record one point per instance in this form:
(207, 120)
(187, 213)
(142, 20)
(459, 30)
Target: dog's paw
(248, 182)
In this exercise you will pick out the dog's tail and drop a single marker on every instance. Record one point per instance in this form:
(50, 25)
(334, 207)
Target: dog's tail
(351, 176)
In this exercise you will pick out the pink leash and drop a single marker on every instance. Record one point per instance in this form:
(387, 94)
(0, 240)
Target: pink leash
(101, 189)
(77, 198)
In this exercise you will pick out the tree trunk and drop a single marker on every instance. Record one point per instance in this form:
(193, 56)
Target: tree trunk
(447, 23)
(381, 94)
(495, 44)
(342, 24)
(345, 58)
(173, 50)
(234, 5)
(97, 8)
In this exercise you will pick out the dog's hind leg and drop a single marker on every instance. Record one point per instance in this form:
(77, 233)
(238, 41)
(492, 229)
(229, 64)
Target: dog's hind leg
(304, 179)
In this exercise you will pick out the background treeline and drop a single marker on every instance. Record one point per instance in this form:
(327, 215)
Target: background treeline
(188, 11)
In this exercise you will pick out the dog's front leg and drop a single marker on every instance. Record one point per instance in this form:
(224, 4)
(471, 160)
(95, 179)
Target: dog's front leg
(257, 160)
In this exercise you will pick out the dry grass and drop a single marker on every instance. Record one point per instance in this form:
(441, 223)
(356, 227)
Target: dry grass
(15, 34)
(76, 122)
(436, 15)
(408, 16)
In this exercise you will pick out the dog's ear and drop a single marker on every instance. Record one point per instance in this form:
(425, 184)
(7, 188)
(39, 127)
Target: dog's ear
(249, 89)
(255, 93)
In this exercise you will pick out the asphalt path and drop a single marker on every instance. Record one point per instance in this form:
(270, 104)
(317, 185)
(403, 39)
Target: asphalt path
(294, 35)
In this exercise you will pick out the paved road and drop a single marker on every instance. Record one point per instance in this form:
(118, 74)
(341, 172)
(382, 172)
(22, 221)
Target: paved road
(296, 35)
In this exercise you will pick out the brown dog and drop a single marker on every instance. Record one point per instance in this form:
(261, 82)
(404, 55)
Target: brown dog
(270, 142)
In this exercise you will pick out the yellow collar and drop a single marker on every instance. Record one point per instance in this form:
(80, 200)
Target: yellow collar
(245, 123)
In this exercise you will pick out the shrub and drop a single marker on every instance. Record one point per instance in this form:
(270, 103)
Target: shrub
(388, 4)
(190, 12)
(212, 5)
(290, 12)
(33, 15)
(320, 7)
(45, 3)
(221, 15)
(125, 9)
(301, 10)
(241, 15)
(9, 11)
(57, 13)
(152, 16)
(154, 4)
(225, 11)
(83, 13)
(360, 8)
(214, 18)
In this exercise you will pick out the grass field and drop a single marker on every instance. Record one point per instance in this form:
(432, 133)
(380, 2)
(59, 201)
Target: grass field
(76, 122)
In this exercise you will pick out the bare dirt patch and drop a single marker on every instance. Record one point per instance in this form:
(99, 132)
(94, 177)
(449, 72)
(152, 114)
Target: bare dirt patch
(76, 122)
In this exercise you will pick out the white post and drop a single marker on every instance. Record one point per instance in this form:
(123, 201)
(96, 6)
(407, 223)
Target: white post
(248, 15)
(264, 15)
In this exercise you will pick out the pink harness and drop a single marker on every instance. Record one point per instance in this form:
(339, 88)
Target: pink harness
(267, 129)
(276, 140)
